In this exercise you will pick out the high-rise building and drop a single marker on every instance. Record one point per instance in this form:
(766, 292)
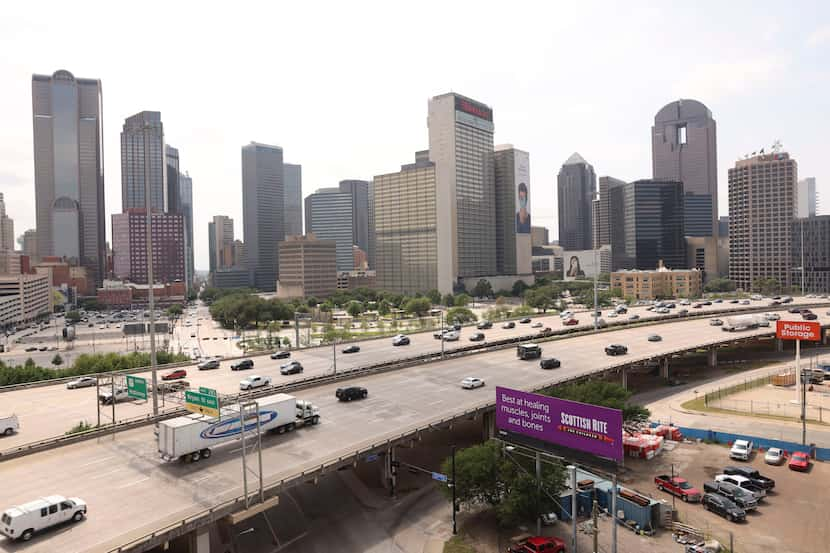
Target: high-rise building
(221, 245)
(539, 236)
(723, 226)
(684, 149)
(329, 215)
(647, 223)
(370, 253)
(6, 228)
(28, 242)
(762, 205)
(293, 187)
(129, 245)
(810, 265)
(406, 230)
(577, 186)
(461, 146)
(807, 197)
(512, 221)
(24, 298)
(212, 265)
(359, 190)
(307, 267)
(171, 176)
(143, 163)
(186, 208)
(263, 204)
(69, 170)
(601, 212)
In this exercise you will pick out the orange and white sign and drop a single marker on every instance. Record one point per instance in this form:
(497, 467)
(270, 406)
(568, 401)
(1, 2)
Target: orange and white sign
(798, 330)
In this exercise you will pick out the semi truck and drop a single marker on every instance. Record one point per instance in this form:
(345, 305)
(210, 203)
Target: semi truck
(192, 437)
(741, 322)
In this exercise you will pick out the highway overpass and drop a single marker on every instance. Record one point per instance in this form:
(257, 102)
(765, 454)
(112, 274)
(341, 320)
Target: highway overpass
(138, 501)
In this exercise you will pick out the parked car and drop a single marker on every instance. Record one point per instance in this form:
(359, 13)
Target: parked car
(752, 474)
(208, 364)
(82, 382)
(550, 363)
(400, 340)
(744, 499)
(175, 375)
(484, 325)
(354, 348)
(243, 365)
(724, 507)
(570, 322)
(472, 382)
(538, 544)
(655, 338)
(616, 349)
(281, 354)
(678, 486)
(799, 461)
(508, 324)
(715, 322)
(351, 393)
(254, 381)
(477, 337)
(22, 521)
(741, 450)
(744, 483)
(292, 367)
(774, 456)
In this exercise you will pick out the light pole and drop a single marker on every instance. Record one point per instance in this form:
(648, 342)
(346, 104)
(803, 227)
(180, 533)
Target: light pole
(441, 318)
(454, 506)
(596, 275)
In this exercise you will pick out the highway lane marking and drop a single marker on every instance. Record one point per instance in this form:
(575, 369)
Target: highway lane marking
(96, 461)
(195, 480)
(134, 482)
(101, 475)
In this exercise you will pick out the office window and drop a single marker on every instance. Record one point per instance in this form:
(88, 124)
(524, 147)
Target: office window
(681, 134)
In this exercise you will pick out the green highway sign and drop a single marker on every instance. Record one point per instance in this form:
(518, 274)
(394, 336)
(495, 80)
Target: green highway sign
(198, 402)
(207, 391)
(136, 387)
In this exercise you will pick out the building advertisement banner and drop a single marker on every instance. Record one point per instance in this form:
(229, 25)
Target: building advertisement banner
(798, 330)
(581, 264)
(588, 428)
(522, 179)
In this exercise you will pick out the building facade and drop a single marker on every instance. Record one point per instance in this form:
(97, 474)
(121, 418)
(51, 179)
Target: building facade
(647, 224)
(143, 163)
(129, 246)
(329, 215)
(539, 236)
(762, 206)
(810, 265)
(262, 211)
(24, 298)
(657, 284)
(359, 191)
(186, 209)
(69, 170)
(221, 247)
(10, 262)
(293, 199)
(171, 176)
(576, 189)
(601, 214)
(29, 244)
(807, 198)
(512, 221)
(6, 228)
(231, 277)
(684, 149)
(307, 267)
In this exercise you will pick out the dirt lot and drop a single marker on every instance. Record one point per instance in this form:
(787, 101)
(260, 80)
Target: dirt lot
(792, 519)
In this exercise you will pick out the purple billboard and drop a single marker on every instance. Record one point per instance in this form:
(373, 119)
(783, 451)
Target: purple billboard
(588, 428)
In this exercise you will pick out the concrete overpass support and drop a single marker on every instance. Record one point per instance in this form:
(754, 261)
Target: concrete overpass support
(202, 541)
(624, 377)
(489, 425)
(664, 368)
(712, 357)
(389, 472)
(779, 345)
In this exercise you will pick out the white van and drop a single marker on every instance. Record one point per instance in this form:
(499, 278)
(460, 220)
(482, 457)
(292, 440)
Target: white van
(22, 521)
(9, 425)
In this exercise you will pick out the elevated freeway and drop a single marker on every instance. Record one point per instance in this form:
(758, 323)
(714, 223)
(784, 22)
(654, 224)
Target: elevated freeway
(136, 501)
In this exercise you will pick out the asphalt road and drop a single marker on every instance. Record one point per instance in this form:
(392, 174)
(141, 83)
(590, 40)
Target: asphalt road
(130, 491)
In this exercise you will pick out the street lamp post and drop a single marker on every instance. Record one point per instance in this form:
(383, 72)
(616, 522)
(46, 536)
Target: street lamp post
(454, 505)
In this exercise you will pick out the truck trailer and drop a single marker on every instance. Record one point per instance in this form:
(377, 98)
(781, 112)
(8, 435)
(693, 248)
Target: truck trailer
(741, 322)
(192, 437)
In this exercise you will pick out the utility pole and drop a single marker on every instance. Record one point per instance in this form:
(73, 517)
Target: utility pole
(334, 353)
(614, 514)
(595, 529)
(454, 507)
(538, 493)
(151, 294)
(803, 291)
(803, 397)
(441, 316)
(572, 470)
(596, 276)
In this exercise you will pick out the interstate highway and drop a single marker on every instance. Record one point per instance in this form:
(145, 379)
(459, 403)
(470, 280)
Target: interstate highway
(49, 411)
(131, 492)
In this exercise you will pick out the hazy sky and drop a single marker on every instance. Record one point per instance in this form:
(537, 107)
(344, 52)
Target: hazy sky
(343, 86)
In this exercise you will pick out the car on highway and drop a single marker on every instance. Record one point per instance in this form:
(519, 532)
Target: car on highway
(451, 336)
(508, 325)
(193, 335)
(243, 365)
(477, 337)
(634, 317)
(173, 386)
(9, 425)
(351, 393)
(525, 321)
(724, 507)
(774, 456)
(772, 316)
(43, 348)
(655, 338)
(615, 349)
(799, 461)
(106, 397)
(537, 324)
(292, 367)
(741, 450)
(538, 544)
(715, 322)
(565, 314)
(472, 382)
(30, 348)
(550, 363)
(22, 521)
(570, 322)
(175, 375)
(621, 309)
(752, 474)
(354, 348)
(744, 302)
(677, 486)
(82, 382)
(208, 364)
(282, 354)
(612, 315)
(254, 381)
(484, 325)
(400, 340)
(528, 351)
(809, 316)
(795, 310)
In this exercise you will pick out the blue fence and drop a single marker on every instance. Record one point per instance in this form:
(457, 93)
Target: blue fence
(818, 453)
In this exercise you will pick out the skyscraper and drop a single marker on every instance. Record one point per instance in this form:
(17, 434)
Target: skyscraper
(461, 146)
(129, 246)
(171, 176)
(263, 210)
(6, 228)
(601, 213)
(647, 224)
(185, 186)
(329, 215)
(293, 185)
(29, 244)
(69, 170)
(370, 253)
(762, 205)
(359, 191)
(807, 198)
(512, 221)
(221, 242)
(810, 264)
(577, 186)
(684, 149)
(143, 163)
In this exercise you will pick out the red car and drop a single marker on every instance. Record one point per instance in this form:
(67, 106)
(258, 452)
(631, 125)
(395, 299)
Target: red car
(570, 322)
(538, 544)
(175, 375)
(799, 461)
(679, 487)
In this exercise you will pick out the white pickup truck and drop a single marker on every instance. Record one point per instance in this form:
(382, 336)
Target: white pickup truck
(106, 396)
(9, 425)
(254, 381)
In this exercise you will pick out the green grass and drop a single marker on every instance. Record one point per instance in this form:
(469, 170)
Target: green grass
(456, 544)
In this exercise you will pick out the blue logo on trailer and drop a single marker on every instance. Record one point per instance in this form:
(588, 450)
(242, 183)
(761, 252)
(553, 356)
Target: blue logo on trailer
(232, 426)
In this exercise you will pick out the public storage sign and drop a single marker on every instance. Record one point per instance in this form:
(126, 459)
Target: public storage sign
(588, 428)
(798, 330)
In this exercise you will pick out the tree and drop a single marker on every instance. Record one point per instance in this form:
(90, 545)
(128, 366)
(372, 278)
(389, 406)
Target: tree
(57, 360)
(175, 310)
(91, 304)
(460, 315)
(384, 308)
(523, 311)
(461, 300)
(73, 316)
(449, 300)
(766, 286)
(434, 296)
(540, 298)
(311, 301)
(604, 394)
(354, 308)
(418, 306)
(604, 277)
(483, 289)
(519, 288)
(720, 285)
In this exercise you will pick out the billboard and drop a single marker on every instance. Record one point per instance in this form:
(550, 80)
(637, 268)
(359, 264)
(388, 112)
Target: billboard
(473, 108)
(798, 330)
(521, 176)
(581, 264)
(589, 428)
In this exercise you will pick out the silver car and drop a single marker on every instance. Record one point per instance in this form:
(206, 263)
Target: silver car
(82, 382)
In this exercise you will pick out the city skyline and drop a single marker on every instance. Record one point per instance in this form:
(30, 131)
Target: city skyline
(775, 62)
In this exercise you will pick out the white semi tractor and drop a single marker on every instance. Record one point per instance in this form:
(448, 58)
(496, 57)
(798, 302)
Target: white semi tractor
(192, 437)
(744, 322)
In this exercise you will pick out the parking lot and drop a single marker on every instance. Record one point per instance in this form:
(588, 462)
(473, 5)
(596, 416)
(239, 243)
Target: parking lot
(791, 519)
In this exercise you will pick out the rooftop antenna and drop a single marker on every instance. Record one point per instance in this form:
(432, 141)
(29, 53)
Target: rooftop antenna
(777, 146)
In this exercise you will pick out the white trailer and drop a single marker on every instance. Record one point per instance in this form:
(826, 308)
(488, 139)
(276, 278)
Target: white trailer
(740, 322)
(192, 437)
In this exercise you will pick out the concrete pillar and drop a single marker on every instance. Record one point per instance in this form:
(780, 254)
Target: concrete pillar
(489, 425)
(779, 345)
(664, 368)
(624, 376)
(712, 358)
(200, 540)
(388, 473)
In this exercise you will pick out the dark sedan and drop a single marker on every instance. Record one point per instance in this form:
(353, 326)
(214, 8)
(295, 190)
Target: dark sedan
(281, 355)
(350, 393)
(616, 349)
(351, 349)
(550, 363)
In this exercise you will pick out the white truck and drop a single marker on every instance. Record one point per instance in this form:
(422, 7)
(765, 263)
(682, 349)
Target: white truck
(254, 381)
(192, 437)
(106, 397)
(741, 322)
(9, 425)
(22, 521)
